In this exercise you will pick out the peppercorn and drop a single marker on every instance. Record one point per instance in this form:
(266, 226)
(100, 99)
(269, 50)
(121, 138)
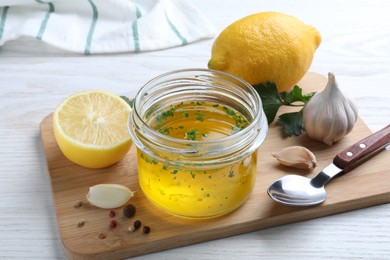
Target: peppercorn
(112, 214)
(113, 224)
(146, 229)
(131, 229)
(78, 204)
(102, 236)
(129, 210)
(137, 224)
(81, 223)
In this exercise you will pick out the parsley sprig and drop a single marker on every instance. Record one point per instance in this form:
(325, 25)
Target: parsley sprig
(292, 122)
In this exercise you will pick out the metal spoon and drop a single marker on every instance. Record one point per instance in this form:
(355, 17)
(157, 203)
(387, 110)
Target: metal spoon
(295, 190)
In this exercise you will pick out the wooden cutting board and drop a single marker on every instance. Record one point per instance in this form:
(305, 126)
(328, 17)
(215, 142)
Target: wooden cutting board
(365, 186)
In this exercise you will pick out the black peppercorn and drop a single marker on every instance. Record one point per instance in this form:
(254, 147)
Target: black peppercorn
(146, 230)
(129, 210)
(137, 224)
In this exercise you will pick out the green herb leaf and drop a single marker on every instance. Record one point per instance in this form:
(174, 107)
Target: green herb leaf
(191, 135)
(164, 115)
(229, 111)
(128, 101)
(164, 130)
(295, 95)
(270, 98)
(292, 123)
(231, 173)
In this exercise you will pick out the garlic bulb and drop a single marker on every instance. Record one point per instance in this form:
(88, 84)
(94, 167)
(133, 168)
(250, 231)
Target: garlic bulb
(329, 115)
(296, 156)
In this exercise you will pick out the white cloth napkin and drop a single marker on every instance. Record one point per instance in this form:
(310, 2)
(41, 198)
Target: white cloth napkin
(104, 26)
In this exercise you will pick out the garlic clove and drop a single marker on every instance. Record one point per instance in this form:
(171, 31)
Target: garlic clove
(297, 157)
(109, 196)
(329, 115)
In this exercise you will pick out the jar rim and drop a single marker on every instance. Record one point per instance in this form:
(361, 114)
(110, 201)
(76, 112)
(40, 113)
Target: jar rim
(241, 132)
(257, 123)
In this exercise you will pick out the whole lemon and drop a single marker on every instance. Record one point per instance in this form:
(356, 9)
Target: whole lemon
(266, 46)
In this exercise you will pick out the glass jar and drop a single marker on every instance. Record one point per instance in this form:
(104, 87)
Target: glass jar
(197, 132)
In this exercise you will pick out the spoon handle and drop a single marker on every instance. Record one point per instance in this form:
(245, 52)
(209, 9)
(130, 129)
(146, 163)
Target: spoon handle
(363, 150)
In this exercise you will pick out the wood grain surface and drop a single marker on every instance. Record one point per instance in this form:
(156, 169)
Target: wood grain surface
(70, 183)
(35, 77)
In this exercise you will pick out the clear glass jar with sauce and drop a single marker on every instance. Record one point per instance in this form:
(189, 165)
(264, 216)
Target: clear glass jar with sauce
(197, 132)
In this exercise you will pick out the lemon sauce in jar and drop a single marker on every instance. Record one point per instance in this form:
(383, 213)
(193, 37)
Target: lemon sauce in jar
(196, 144)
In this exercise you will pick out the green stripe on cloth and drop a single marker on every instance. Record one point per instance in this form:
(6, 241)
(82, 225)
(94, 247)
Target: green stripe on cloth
(174, 29)
(135, 29)
(45, 19)
(92, 28)
(2, 21)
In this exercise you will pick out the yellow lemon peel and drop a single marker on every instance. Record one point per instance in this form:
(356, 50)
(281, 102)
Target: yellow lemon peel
(268, 46)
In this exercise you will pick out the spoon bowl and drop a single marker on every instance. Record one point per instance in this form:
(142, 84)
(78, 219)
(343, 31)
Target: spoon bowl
(293, 189)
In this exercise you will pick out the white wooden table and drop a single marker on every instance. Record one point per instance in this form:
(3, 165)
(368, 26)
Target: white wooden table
(34, 78)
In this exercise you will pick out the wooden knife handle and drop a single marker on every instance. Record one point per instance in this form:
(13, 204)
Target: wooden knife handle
(363, 150)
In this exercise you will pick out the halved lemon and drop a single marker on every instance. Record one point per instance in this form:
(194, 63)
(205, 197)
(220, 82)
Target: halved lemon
(91, 128)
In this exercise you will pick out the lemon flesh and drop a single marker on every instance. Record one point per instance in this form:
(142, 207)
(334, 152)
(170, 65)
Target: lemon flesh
(266, 46)
(91, 128)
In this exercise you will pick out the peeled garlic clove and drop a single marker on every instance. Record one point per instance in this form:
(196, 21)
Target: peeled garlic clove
(296, 156)
(109, 196)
